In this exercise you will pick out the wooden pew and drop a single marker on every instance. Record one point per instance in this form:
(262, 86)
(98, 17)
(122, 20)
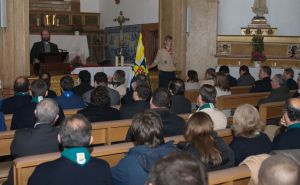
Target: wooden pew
(192, 95)
(6, 139)
(240, 89)
(4, 169)
(232, 176)
(233, 101)
(103, 132)
(24, 166)
(271, 110)
(8, 119)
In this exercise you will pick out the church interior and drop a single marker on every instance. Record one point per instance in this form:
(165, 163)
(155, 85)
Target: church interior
(104, 36)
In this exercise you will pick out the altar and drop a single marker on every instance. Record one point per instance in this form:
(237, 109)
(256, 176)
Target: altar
(109, 71)
(76, 45)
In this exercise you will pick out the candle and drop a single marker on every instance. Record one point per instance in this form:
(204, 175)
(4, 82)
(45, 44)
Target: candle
(38, 21)
(122, 61)
(57, 22)
(116, 61)
(3, 14)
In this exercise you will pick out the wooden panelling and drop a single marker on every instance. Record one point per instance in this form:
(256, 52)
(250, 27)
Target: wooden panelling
(172, 21)
(14, 43)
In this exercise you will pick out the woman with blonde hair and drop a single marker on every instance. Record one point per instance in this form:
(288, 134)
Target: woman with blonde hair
(203, 142)
(248, 136)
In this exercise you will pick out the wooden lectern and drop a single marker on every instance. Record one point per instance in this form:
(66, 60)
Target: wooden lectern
(54, 63)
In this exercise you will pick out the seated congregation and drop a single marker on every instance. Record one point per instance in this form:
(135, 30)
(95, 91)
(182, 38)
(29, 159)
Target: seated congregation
(154, 115)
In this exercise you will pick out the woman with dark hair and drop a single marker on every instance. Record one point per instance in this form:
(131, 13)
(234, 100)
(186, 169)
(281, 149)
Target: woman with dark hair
(223, 88)
(245, 79)
(203, 142)
(192, 81)
(179, 104)
(133, 169)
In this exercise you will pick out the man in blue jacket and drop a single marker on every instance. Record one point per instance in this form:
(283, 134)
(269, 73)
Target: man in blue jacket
(147, 129)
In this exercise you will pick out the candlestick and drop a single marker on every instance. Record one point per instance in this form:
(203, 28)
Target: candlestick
(122, 61)
(116, 61)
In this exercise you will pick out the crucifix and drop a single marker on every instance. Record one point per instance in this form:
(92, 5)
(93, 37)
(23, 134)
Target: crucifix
(121, 19)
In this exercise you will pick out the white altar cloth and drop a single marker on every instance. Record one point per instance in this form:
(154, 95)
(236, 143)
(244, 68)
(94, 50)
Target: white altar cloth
(109, 71)
(76, 45)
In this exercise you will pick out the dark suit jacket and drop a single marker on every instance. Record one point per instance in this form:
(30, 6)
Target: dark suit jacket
(65, 172)
(291, 84)
(33, 141)
(232, 81)
(129, 110)
(79, 90)
(39, 140)
(25, 118)
(97, 113)
(263, 85)
(245, 80)
(180, 105)
(38, 48)
(51, 94)
(279, 94)
(287, 140)
(173, 125)
(12, 104)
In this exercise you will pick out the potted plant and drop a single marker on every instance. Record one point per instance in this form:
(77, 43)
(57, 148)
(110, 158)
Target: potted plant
(258, 47)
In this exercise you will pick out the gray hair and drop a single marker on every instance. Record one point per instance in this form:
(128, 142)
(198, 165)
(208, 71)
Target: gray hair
(46, 111)
(279, 79)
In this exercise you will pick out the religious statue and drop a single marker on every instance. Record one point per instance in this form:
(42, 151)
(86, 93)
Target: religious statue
(260, 8)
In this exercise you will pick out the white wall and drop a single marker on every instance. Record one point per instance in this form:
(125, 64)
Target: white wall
(92, 6)
(139, 11)
(283, 14)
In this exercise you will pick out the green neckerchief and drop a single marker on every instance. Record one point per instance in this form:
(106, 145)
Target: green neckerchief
(295, 125)
(37, 99)
(78, 155)
(21, 93)
(205, 106)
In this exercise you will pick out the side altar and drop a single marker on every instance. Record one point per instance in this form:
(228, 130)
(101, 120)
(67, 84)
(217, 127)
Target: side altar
(259, 41)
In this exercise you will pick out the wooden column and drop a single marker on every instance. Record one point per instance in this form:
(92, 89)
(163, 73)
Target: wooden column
(172, 21)
(14, 52)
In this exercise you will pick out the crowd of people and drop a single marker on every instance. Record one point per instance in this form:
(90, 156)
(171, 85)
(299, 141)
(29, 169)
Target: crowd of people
(37, 110)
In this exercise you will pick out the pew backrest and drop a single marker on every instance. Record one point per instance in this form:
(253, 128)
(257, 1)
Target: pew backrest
(240, 89)
(271, 110)
(231, 176)
(6, 139)
(233, 101)
(192, 95)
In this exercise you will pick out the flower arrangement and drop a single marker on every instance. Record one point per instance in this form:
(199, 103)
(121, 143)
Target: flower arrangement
(258, 48)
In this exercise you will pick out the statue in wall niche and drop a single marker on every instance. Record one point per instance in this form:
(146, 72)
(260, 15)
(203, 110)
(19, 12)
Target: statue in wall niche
(260, 8)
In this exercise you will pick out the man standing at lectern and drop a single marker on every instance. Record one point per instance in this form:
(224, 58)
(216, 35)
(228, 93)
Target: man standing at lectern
(44, 46)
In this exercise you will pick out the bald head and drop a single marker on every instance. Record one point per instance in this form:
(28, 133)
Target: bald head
(21, 84)
(279, 170)
(75, 132)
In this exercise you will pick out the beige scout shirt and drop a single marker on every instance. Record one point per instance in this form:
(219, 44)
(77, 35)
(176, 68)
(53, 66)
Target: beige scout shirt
(164, 61)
